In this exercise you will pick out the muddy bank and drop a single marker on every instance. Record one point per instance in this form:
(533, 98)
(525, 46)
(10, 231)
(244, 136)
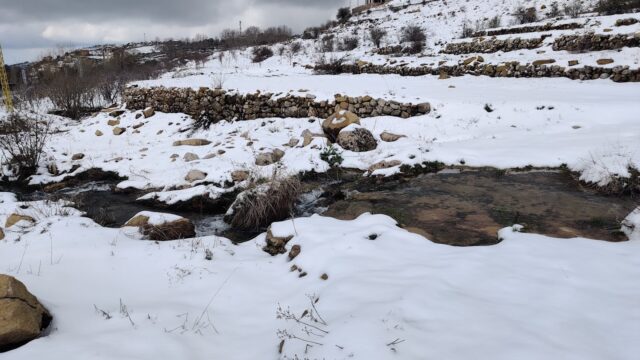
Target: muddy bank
(469, 207)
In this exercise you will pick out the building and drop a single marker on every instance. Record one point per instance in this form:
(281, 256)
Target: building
(368, 5)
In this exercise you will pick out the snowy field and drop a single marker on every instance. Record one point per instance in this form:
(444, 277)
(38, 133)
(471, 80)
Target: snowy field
(398, 296)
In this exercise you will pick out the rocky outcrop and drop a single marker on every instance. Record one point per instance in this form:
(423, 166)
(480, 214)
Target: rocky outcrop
(357, 140)
(22, 317)
(212, 105)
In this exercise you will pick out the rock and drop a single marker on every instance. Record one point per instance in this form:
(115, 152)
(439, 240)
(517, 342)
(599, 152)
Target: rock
(113, 122)
(472, 60)
(99, 133)
(192, 142)
(292, 142)
(338, 121)
(604, 61)
(16, 218)
(239, 175)
(324, 277)
(389, 137)
(384, 165)
(294, 252)
(22, 317)
(163, 227)
(78, 156)
(148, 112)
(269, 158)
(443, 76)
(276, 245)
(357, 140)
(1, 234)
(573, 62)
(190, 157)
(543, 62)
(116, 113)
(118, 131)
(424, 108)
(195, 175)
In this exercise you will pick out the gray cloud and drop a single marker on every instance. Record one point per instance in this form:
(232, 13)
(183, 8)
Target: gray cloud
(29, 25)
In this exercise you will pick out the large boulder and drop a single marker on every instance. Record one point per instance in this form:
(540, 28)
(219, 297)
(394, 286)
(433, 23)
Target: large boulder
(162, 227)
(357, 139)
(16, 218)
(148, 112)
(22, 317)
(338, 121)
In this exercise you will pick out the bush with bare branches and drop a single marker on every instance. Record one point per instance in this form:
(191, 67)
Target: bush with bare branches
(23, 136)
(377, 34)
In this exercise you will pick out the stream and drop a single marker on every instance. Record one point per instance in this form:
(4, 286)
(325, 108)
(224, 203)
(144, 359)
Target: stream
(455, 207)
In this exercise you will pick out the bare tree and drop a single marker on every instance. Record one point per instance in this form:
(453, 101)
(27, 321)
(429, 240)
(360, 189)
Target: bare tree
(377, 35)
(22, 140)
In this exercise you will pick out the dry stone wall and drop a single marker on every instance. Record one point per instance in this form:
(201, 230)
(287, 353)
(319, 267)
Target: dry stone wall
(596, 42)
(527, 29)
(492, 45)
(212, 105)
(507, 69)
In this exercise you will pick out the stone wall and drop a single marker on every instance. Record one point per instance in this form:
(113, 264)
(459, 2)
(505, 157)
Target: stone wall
(596, 42)
(507, 69)
(213, 105)
(527, 29)
(492, 45)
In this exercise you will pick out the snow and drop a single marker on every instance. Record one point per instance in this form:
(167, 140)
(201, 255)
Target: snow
(529, 297)
(156, 218)
(631, 225)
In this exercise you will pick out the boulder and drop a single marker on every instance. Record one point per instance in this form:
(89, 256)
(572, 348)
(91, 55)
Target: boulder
(113, 122)
(22, 317)
(357, 140)
(269, 158)
(190, 157)
(148, 112)
(99, 133)
(389, 137)
(195, 175)
(16, 218)
(118, 131)
(276, 245)
(424, 108)
(162, 227)
(192, 142)
(78, 156)
(239, 175)
(338, 121)
(294, 252)
(543, 62)
(604, 61)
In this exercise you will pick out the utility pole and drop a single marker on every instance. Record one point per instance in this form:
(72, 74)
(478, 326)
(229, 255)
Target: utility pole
(240, 26)
(4, 82)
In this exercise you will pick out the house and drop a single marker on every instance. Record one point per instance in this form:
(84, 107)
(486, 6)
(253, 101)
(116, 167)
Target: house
(368, 5)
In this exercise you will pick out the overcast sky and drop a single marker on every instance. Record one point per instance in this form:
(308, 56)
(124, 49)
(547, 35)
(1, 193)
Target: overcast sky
(28, 28)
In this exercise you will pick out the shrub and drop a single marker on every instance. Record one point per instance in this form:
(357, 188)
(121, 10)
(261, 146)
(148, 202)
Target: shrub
(349, 43)
(526, 15)
(554, 10)
(610, 7)
(494, 22)
(332, 155)
(264, 203)
(344, 14)
(261, 54)
(22, 140)
(333, 66)
(326, 43)
(415, 36)
(295, 47)
(573, 9)
(467, 30)
(377, 35)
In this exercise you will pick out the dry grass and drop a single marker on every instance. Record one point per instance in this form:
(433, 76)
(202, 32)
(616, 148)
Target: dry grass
(265, 202)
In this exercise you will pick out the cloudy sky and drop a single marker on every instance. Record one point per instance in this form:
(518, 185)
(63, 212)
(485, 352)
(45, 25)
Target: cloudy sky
(30, 28)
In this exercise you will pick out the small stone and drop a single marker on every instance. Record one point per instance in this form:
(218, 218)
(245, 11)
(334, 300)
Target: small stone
(294, 252)
(188, 157)
(543, 62)
(78, 156)
(116, 113)
(239, 175)
(195, 175)
(148, 112)
(324, 277)
(389, 137)
(113, 122)
(118, 131)
(99, 133)
(604, 61)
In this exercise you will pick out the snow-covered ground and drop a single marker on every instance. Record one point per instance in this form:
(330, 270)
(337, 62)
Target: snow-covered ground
(398, 296)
